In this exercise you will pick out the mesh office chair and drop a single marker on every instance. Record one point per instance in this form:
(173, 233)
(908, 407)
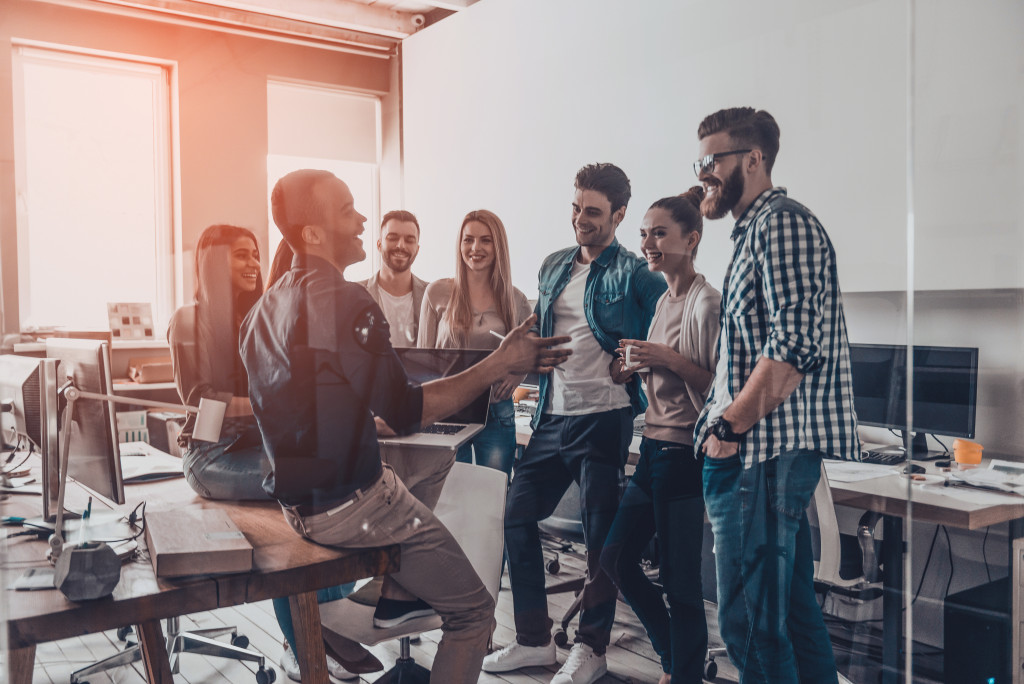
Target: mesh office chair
(472, 507)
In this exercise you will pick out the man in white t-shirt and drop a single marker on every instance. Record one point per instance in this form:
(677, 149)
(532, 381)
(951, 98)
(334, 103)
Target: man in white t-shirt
(395, 289)
(597, 293)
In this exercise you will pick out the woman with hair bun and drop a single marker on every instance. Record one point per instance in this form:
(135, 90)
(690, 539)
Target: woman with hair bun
(664, 495)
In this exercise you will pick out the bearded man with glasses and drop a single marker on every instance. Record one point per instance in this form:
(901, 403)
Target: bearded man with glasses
(782, 400)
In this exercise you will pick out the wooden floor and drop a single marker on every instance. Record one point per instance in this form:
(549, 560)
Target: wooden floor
(630, 656)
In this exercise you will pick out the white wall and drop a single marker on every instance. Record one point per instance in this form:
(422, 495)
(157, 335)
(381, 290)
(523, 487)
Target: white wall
(505, 101)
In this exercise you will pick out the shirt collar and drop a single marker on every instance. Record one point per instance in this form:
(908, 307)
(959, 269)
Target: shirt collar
(602, 259)
(754, 209)
(313, 263)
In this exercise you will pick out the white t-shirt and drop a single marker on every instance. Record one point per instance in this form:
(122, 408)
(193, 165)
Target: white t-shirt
(401, 318)
(582, 385)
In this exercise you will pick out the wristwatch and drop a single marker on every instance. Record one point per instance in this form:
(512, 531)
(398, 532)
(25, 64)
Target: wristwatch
(722, 430)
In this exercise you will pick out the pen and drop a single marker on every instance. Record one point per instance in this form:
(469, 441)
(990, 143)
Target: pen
(497, 334)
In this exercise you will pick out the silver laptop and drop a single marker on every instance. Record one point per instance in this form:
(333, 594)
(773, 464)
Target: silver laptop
(424, 365)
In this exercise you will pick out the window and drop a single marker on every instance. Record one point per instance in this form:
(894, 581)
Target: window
(93, 183)
(314, 127)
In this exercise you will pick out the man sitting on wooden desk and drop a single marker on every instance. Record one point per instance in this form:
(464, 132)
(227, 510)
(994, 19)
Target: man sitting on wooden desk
(321, 366)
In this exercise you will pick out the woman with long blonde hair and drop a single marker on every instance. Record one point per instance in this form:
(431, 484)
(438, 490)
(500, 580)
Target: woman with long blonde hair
(463, 313)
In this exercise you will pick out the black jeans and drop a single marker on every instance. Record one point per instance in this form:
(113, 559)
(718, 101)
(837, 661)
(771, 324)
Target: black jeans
(590, 450)
(664, 496)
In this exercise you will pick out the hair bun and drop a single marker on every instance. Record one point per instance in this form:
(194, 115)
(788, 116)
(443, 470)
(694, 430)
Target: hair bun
(694, 195)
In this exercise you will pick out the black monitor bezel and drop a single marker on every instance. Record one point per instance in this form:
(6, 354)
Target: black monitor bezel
(896, 417)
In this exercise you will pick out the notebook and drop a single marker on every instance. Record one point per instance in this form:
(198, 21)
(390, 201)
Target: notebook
(424, 365)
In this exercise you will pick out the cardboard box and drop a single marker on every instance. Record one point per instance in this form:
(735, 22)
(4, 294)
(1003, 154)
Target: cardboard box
(151, 370)
(196, 542)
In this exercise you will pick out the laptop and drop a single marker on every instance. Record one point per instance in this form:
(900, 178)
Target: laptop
(424, 365)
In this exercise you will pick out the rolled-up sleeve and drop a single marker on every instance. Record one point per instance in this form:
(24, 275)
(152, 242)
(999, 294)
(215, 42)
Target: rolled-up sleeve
(794, 255)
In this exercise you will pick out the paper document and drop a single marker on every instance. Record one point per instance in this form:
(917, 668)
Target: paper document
(990, 478)
(141, 462)
(853, 471)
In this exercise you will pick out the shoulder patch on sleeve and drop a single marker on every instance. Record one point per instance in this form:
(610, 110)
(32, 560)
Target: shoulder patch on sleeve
(371, 331)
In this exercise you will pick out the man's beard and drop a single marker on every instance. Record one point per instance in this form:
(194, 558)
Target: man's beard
(395, 266)
(727, 196)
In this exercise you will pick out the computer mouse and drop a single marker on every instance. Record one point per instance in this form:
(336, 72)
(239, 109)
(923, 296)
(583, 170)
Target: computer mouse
(913, 469)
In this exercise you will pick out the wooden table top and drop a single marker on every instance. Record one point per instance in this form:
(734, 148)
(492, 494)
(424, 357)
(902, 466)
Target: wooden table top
(283, 564)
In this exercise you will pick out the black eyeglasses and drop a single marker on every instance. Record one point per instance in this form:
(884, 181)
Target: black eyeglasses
(707, 162)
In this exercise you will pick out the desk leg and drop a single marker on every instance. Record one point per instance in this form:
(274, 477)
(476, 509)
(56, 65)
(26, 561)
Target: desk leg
(20, 663)
(892, 598)
(154, 652)
(309, 640)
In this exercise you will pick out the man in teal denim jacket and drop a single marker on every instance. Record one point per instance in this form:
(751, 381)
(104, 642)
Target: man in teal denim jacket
(596, 293)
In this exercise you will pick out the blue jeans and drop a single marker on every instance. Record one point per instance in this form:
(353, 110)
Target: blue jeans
(495, 445)
(232, 469)
(767, 610)
(590, 449)
(665, 497)
(284, 614)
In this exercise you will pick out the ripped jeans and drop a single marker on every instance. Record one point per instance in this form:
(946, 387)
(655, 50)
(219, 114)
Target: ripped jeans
(768, 613)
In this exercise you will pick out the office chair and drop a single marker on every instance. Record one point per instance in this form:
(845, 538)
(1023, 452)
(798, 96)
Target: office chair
(200, 642)
(564, 523)
(472, 507)
(827, 545)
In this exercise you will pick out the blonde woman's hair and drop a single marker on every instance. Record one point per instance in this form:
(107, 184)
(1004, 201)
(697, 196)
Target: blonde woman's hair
(458, 317)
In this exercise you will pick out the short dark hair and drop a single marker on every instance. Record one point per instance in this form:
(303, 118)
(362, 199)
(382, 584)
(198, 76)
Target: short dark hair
(608, 179)
(295, 203)
(400, 215)
(748, 128)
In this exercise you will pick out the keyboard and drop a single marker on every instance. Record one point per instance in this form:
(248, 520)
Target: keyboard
(443, 429)
(883, 457)
(638, 426)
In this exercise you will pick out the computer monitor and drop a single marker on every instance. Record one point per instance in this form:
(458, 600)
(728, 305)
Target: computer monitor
(94, 457)
(945, 390)
(28, 392)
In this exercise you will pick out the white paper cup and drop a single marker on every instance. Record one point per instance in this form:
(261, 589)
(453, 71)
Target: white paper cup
(209, 420)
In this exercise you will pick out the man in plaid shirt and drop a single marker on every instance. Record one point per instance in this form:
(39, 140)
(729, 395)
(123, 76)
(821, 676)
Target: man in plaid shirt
(782, 400)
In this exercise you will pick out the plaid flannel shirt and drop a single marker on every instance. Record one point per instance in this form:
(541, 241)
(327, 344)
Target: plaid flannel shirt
(781, 300)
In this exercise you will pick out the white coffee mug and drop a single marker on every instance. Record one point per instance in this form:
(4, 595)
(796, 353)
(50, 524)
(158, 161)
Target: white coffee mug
(629, 365)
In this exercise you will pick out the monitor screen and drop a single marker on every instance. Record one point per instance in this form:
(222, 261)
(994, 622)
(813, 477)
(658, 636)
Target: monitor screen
(94, 458)
(28, 386)
(19, 395)
(945, 388)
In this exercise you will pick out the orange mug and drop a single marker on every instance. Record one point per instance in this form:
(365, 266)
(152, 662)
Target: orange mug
(967, 452)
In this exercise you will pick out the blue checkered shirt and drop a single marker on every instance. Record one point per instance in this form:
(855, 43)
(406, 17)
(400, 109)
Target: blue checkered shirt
(781, 300)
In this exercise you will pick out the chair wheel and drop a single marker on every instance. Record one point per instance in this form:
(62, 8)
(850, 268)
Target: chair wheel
(266, 676)
(553, 567)
(241, 641)
(710, 670)
(123, 632)
(561, 638)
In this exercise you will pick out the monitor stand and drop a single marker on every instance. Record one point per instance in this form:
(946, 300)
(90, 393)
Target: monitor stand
(919, 447)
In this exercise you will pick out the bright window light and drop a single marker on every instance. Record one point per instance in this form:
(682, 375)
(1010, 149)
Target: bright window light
(93, 184)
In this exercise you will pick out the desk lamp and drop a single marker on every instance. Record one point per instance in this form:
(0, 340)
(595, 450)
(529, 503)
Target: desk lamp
(91, 571)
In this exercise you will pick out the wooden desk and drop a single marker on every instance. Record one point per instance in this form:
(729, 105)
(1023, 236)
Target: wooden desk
(284, 564)
(891, 497)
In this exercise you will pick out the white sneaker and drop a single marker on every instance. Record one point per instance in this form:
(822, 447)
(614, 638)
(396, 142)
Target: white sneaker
(515, 656)
(290, 666)
(583, 666)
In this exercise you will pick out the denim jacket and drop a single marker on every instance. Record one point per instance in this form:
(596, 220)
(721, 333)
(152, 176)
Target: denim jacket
(618, 300)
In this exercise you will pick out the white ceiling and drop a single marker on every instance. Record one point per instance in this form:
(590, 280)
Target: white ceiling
(372, 26)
